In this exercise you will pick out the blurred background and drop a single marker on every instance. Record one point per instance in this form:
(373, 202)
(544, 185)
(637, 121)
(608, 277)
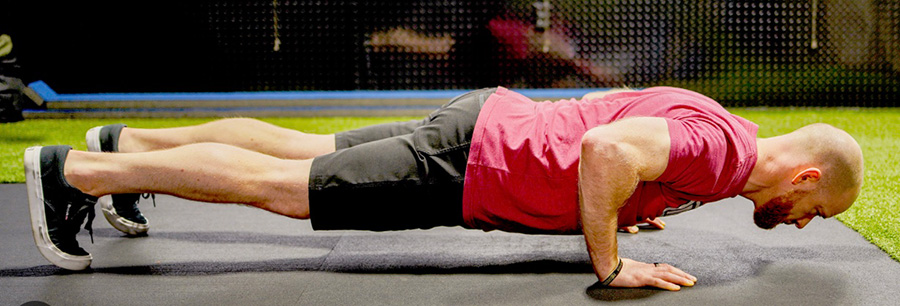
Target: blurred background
(741, 53)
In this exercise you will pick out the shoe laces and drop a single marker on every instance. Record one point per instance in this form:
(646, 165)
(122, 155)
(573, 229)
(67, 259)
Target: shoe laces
(149, 196)
(90, 219)
(72, 217)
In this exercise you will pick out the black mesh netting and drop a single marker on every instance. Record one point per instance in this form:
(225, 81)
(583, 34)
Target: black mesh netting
(742, 53)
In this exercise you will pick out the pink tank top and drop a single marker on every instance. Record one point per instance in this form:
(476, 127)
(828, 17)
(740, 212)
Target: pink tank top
(522, 172)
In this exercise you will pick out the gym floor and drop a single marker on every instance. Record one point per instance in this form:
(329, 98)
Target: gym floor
(198, 253)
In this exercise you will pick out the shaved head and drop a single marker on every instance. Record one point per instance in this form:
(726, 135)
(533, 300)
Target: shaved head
(839, 157)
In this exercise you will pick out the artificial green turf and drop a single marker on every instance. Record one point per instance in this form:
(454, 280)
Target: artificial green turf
(876, 214)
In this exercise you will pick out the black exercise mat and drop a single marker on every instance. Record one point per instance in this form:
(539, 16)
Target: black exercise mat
(200, 253)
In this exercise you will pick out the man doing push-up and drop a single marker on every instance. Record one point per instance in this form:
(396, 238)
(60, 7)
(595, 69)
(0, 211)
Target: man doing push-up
(490, 159)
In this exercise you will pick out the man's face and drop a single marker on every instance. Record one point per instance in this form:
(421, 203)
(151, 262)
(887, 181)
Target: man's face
(784, 209)
(773, 212)
(796, 207)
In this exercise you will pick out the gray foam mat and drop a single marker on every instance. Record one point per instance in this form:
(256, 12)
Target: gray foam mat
(200, 253)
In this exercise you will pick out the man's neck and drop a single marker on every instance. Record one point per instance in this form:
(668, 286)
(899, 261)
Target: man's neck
(766, 170)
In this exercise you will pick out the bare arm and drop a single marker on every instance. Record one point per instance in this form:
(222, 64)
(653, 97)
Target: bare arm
(614, 159)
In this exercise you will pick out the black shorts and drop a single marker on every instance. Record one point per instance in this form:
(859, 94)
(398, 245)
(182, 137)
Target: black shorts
(397, 176)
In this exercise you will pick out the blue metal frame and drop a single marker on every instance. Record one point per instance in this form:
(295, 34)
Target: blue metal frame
(48, 94)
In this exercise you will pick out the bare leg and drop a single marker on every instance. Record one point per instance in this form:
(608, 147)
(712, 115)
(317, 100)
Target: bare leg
(207, 172)
(250, 134)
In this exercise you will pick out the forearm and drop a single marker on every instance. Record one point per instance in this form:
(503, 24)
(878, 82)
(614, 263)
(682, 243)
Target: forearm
(606, 181)
(614, 159)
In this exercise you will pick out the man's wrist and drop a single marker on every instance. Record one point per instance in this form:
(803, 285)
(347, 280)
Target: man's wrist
(612, 276)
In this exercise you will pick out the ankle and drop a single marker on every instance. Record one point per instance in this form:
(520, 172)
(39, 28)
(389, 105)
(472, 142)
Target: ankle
(128, 141)
(79, 175)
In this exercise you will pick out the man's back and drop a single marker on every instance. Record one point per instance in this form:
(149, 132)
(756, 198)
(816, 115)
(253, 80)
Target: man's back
(522, 172)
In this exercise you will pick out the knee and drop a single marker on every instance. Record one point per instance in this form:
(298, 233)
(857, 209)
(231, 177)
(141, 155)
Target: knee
(294, 210)
(289, 207)
(288, 188)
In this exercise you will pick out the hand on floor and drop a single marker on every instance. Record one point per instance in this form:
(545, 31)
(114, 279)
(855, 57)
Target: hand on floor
(639, 274)
(654, 222)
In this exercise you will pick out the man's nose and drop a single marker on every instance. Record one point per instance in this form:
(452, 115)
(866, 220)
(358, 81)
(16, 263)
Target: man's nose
(801, 223)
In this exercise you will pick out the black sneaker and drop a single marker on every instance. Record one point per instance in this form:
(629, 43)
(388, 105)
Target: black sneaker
(57, 208)
(120, 209)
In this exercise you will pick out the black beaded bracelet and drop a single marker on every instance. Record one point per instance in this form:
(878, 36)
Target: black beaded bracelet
(613, 275)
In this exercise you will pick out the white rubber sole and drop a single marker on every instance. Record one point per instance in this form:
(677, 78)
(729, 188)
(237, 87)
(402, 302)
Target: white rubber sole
(39, 220)
(92, 137)
(118, 222)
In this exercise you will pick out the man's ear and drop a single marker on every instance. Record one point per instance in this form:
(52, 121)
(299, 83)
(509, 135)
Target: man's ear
(807, 175)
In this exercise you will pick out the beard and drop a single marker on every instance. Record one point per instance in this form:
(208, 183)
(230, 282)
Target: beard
(773, 212)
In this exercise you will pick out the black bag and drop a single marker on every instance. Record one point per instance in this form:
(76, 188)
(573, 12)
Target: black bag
(12, 88)
(12, 101)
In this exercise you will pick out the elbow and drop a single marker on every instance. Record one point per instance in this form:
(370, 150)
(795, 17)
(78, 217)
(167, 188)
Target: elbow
(600, 149)
(597, 142)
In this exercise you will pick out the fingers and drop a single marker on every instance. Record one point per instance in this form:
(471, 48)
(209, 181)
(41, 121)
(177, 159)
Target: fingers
(630, 229)
(670, 277)
(660, 283)
(656, 222)
(638, 274)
